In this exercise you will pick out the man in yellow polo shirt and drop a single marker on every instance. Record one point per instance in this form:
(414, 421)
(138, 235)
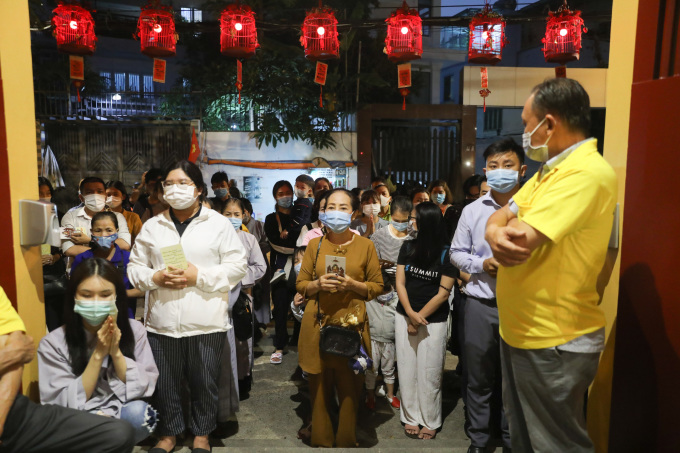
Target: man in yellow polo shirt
(29, 428)
(551, 240)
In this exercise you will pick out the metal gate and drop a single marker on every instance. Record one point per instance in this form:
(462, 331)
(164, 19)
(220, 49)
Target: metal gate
(115, 151)
(416, 152)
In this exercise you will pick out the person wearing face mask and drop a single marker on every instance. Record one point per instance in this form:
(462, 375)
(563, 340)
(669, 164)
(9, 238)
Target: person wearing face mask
(471, 254)
(99, 362)
(187, 312)
(149, 204)
(93, 195)
(237, 356)
(219, 182)
(54, 271)
(117, 201)
(280, 262)
(385, 199)
(369, 220)
(551, 242)
(104, 234)
(321, 184)
(388, 240)
(441, 195)
(332, 298)
(301, 213)
(320, 226)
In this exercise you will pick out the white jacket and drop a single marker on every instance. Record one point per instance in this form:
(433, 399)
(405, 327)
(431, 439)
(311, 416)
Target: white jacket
(210, 243)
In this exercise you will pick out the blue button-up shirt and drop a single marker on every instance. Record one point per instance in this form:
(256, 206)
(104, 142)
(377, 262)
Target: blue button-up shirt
(469, 249)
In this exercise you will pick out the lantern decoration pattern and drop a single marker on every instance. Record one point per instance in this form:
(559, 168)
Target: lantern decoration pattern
(562, 41)
(238, 34)
(320, 35)
(487, 37)
(73, 27)
(404, 41)
(156, 30)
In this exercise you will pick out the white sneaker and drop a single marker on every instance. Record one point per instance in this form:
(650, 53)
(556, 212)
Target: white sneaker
(380, 391)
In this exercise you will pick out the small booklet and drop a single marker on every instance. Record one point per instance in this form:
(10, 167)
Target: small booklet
(173, 255)
(45, 249)
(336, 265)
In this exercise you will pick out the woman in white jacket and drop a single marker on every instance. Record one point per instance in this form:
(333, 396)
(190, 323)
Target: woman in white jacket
(237, 356)
(187, 314)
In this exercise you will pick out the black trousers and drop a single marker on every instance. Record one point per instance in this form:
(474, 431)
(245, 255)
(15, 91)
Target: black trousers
(281, 296)
(193, 360)
(46, 429)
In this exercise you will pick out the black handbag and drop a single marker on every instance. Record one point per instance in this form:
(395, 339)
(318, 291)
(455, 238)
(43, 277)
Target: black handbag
(242, 316)
(335, 340)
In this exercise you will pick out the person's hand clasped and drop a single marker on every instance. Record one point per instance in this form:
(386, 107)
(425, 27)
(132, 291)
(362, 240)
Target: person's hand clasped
(173, 278)
(329, 282)
(504, 242)
(114, 349)
(417, 319)
(298, 299)
(46, 260)
(491, 266)
(412, 330)
(104, 339)
(79, 238)
(284, 234)
(346, 283)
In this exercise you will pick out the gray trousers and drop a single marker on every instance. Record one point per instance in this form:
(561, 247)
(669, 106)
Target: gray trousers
(543, 393)
(483, 359)
(31, 428)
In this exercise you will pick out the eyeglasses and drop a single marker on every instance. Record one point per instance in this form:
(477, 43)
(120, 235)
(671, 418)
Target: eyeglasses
(183, 184)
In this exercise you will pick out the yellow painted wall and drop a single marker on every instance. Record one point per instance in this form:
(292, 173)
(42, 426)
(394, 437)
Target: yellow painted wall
(619, 83)
(17, 76)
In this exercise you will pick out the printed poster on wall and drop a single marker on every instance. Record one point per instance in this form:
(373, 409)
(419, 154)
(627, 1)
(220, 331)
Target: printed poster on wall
(158, 70)
(404, 75)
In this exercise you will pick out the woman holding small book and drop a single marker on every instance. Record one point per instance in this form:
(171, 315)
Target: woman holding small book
(188, 258)
(341, 301)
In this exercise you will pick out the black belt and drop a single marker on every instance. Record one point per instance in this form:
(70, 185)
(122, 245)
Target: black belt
(489, 302)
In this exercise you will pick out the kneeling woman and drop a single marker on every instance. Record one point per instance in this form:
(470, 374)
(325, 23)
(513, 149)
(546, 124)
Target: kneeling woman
(98, 361)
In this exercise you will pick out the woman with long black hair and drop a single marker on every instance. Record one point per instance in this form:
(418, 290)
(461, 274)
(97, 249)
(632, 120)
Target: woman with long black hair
(99, 361)
(425, 278)
(280, 261)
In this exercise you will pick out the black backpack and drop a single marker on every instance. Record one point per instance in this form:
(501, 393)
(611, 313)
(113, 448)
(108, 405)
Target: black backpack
(242, 315)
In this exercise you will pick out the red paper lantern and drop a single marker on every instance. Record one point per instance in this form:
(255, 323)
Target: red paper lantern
(73, 27)
(156, 31)
(562, 41)
(320, 34)
(238, 35)
(404, 41)
(487, 37)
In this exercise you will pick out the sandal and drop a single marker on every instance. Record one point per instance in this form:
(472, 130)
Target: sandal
(305, 433)
(427, 434)
(412, 431)
(276, 358)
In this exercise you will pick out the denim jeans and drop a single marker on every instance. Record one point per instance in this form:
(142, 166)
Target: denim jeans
(141, 416)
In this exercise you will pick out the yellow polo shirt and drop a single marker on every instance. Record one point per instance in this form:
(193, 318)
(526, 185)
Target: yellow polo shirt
(552, 298)
(9, 319)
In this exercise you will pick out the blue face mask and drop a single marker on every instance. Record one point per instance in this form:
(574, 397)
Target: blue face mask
(502, 180)
(322, 217)
(285, 202)
(94, 312)
(338, 221)
(298, 266)
(440, 198)
(236, 222)
(221, 192)
(106, 241)
(400, 226)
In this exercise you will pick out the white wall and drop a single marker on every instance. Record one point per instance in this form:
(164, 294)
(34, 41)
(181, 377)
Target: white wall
(237, 146)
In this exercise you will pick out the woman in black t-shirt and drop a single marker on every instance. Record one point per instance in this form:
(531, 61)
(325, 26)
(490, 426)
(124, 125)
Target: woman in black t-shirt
(425, 277)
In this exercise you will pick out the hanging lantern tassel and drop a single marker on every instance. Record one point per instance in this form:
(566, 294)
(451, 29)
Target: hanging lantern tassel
(320, 78)
(239, 79)
(404, 92)
(484, 92)
(78, 84)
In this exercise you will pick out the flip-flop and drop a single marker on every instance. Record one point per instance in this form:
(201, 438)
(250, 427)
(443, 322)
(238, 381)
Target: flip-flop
(412, 435)
(276, 358)
(427, 432)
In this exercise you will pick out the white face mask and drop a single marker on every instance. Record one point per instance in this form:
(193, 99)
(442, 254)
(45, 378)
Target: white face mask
(371, 209)
(538, 153)
(384, 201)
(95, 202)
(113, 202)
(179, 198)
(300, 193)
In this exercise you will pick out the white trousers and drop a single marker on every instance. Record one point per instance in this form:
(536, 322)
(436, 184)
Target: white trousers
(383, 357)
(421, 367)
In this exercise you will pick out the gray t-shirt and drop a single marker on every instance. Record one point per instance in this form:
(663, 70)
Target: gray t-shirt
(361, 227)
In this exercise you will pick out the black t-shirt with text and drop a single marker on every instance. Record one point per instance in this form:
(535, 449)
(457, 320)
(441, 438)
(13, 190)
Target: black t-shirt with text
(422, 284)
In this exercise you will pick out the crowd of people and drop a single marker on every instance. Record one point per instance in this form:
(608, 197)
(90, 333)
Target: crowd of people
(380, 285)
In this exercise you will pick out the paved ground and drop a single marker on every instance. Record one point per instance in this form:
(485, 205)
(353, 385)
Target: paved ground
(269, 420)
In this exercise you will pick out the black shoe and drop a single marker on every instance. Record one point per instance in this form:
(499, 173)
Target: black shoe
(466, 424)
(474, 449)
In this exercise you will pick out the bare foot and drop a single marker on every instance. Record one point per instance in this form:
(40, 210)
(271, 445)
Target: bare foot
(167, 443)
(201, 442)
(427, 434)
(412, 431)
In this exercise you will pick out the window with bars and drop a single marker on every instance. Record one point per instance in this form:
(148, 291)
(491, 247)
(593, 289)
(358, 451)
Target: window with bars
(425, 11)
(493, 119)
(106, 80)
(148, 84)
(133, 82)
(191, 14)
(119, 81)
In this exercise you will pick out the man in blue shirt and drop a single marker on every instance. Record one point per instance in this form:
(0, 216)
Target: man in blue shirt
(471, 254)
